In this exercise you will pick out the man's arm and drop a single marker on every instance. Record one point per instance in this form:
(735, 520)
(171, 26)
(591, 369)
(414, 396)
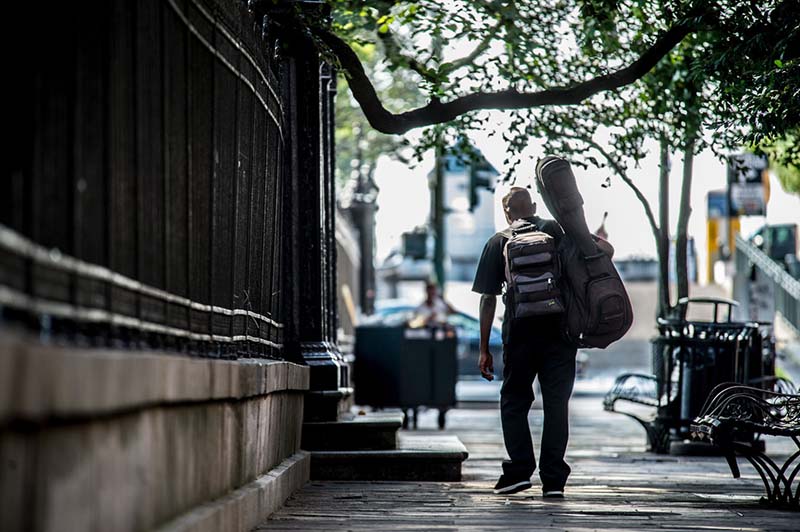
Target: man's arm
(486, 314)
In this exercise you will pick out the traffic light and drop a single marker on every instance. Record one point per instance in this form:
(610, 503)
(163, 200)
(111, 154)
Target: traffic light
(479, 177)
(415, 244)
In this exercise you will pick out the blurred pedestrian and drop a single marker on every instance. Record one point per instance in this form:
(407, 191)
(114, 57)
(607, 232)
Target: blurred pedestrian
(434, 309)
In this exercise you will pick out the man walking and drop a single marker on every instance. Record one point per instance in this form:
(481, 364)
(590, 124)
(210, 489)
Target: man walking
(531, 346)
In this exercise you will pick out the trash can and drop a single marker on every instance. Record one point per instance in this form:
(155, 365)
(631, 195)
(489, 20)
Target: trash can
(690, 358)
(397, 366)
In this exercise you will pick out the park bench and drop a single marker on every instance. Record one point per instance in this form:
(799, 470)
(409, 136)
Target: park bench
(732, 410)
(639, 389)
(690, 357)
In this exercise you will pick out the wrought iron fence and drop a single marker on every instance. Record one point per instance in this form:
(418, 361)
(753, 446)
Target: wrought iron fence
(147, 190)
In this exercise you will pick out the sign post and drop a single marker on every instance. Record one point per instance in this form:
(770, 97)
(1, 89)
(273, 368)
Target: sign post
(716, 215)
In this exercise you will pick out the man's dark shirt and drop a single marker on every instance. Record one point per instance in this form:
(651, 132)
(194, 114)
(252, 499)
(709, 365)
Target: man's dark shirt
(491, 276)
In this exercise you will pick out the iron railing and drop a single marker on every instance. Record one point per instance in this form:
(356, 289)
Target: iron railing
(753, 264)
(151, 177)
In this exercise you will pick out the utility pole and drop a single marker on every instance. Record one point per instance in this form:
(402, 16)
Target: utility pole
(438, 214)
(437, 194)
(363, 208)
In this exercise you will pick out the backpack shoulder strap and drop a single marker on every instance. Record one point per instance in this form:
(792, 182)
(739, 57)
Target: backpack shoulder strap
(519, 226)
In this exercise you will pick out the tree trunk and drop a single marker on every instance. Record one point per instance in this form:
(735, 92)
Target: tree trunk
(662, 245)
(681, 239)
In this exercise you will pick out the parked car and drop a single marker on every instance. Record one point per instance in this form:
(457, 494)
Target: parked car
(468, 332)
(394, 312)
(777, 241)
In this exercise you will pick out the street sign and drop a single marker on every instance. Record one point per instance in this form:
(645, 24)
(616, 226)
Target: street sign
(746, 168)
(748, 200)
(746, 184)
(717, 204)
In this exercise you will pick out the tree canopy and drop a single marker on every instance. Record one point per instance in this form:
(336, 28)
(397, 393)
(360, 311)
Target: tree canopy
(784, 161)
(472, 55)
(358, 145)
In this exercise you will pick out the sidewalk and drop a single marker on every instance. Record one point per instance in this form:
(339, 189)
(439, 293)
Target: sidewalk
(615, 485)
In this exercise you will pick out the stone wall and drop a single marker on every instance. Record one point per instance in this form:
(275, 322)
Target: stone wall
(97, 439)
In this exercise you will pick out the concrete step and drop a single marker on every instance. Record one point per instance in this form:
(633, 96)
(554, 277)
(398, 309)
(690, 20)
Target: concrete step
(418, 457)
(327, 405)
(372, 431)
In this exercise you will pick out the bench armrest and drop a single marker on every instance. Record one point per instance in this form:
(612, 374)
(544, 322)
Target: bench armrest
(634, 387)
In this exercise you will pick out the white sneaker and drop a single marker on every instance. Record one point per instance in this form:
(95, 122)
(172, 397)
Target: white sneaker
(553, 494)
(508, 486)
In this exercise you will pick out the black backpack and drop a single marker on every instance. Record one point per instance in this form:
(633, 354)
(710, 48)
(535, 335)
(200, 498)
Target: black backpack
(598, 309)
(532, 272)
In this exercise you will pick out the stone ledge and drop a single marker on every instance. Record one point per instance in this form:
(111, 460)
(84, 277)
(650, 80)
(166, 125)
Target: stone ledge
(243, 509)
(135, 471)
(40, 381)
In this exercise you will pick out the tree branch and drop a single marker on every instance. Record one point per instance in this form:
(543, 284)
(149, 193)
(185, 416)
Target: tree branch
(454, 65)
(393, 50)
(648, 210)
(437, 112)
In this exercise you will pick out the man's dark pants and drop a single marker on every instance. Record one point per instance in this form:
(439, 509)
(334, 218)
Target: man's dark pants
(525, 357)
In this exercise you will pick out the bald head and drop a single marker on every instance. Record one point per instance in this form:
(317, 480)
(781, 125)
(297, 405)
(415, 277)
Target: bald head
(517, 204)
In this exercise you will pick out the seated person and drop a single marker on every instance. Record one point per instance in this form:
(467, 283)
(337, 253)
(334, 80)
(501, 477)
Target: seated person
(433, 311)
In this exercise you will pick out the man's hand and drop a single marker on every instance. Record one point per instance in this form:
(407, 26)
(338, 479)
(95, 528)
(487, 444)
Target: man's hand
(486, 312)
(486, 365)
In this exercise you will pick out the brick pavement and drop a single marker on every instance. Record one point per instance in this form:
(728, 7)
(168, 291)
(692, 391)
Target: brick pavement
(615, 485)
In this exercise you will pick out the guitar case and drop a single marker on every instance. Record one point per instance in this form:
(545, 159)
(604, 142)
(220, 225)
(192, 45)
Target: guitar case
(598, 309)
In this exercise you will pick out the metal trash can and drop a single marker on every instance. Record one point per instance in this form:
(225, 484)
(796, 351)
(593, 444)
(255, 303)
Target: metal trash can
(690, 358)
(396, 366)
